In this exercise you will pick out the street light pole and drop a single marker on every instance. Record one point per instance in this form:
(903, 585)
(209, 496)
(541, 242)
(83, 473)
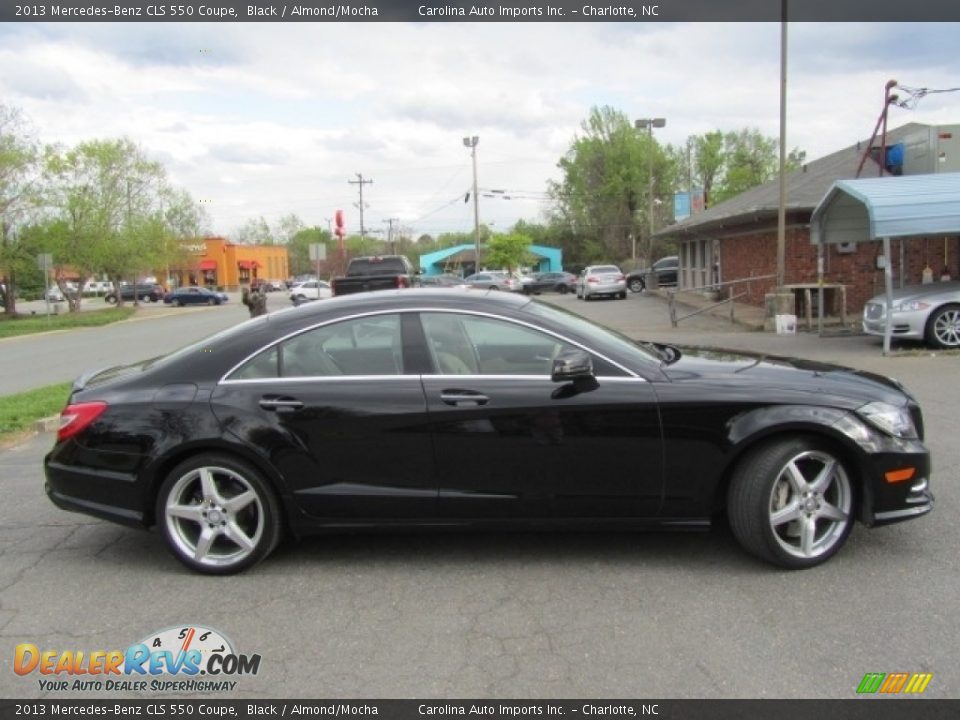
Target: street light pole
(649, 124)
(471, 142)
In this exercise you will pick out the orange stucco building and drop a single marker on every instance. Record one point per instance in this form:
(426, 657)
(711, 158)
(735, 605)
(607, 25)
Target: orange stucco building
(217, 262)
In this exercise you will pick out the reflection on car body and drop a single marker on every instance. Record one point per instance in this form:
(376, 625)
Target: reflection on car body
(370, 410)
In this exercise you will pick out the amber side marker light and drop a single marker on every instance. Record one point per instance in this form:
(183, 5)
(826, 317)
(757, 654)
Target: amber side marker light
(895, 476)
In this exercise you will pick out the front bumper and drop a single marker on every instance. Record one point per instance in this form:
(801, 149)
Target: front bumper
(909, 325)
(887, 501)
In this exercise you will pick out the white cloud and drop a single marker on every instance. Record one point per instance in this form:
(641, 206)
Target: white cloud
(268, 119)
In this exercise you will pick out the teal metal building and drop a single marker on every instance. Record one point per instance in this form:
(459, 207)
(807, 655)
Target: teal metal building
(461, 260)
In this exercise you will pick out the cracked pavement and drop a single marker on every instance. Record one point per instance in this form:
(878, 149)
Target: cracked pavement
(564, 615)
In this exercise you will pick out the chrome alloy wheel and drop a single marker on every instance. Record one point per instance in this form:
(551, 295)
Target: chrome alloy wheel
(810, 505)
(946, 328)
(214, 516)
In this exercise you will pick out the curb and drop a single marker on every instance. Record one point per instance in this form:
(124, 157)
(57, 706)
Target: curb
(47, 424)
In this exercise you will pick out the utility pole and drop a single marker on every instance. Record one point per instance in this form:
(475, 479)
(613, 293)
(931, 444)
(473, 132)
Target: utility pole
(361, 182)
(471, 142)
(390, 222)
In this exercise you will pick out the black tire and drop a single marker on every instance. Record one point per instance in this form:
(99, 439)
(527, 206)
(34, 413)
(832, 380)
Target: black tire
(587, 297)
(777, 516)
(198, 493)
(211, 301)
(622, 295)
(179, 302)
(636, 285)
(494, 287)
(110, 299)
(943, 327)
(563, 289)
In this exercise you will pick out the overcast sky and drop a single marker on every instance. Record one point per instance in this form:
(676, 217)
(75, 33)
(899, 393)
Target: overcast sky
(272, 119)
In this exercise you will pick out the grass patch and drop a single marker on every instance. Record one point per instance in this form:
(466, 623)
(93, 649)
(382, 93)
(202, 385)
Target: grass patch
(30, 324)
(19, 412)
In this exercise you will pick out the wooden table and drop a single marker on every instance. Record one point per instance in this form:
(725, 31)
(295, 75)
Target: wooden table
(807, 297)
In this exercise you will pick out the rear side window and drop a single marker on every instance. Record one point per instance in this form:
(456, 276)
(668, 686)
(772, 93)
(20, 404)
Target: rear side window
(377, 266)
(361, 346)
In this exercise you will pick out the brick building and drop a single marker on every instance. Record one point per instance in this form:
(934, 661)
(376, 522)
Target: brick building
(738, 238)
(216, 262)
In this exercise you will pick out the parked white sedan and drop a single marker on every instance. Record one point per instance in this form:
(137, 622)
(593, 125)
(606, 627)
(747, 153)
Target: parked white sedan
(310, 290)
(920, 312)
(597, 280)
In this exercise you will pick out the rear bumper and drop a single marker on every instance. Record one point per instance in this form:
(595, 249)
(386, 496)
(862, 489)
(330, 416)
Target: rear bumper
(75, 484)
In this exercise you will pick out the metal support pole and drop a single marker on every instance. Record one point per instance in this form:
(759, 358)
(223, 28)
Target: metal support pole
(888, 284)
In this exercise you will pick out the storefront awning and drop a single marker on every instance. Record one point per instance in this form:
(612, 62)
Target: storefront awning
(208, 265)
(248, 264)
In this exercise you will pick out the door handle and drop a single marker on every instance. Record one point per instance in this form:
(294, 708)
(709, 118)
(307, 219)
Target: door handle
(467, 398)
(281, 405)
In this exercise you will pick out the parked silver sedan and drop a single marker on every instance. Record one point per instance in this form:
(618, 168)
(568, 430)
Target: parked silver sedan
(596, 280)
(920, 312)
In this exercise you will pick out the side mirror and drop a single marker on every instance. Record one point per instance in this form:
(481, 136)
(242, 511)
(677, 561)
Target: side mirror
(572, 365)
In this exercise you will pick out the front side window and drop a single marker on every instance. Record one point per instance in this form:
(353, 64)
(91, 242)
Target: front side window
(362, 346)
(476, 345)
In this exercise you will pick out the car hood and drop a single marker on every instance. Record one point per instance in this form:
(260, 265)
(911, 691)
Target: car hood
(930, 292)
(783, 379)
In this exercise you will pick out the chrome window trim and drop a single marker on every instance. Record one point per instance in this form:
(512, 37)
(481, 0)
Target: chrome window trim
(225, 378)
(351, 378)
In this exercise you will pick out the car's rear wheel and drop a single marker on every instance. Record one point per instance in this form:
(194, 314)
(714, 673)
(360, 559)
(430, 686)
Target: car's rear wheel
(494, 287)
(562, 289)
(211, 301)
(110, 299)
(943, 327)
(636, 285)
(622, 295)
(218, 515)
(179, 302)
(791, 503)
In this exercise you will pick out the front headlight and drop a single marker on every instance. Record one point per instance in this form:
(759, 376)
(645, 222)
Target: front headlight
(892, 420)
(911, 306)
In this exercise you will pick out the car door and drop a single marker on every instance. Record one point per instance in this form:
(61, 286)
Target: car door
(339, 419)
(510, 443)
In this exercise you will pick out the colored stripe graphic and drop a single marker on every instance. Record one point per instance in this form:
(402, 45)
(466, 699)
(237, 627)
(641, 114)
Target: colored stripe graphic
(870, 683)
(918, 683)
(894, 683)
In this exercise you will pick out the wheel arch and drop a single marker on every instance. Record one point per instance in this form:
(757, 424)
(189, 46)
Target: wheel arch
(161, 468)
(783, 423)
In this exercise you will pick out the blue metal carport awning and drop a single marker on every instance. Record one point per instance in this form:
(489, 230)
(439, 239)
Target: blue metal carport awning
(884, 208)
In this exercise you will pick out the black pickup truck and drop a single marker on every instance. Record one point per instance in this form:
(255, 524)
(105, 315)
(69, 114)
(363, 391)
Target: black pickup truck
(375, 273)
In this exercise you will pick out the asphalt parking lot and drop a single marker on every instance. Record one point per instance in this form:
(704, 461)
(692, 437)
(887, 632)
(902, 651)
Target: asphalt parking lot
(520, 615)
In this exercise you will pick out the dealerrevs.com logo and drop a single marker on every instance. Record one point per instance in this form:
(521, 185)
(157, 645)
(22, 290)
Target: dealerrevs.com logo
(187, 658)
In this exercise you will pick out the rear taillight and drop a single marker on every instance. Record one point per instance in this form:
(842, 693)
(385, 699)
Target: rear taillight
(593, 279)
(76, 418)
(402, 281)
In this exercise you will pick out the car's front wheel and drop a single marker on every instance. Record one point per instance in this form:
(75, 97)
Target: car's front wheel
(791, 503)
(943, 327)
(218, 515)
(636, 285)
(110, 299)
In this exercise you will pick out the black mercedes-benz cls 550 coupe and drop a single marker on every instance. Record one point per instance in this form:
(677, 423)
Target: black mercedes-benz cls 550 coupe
(372, 410)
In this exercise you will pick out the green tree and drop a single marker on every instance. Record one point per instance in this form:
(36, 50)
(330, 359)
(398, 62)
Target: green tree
(508, 250)
(19, 155)
(603, 196)
(103, 196)
(255, 231)
(749, 160)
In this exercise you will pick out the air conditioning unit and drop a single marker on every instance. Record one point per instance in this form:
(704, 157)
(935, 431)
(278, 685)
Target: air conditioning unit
(846, 248)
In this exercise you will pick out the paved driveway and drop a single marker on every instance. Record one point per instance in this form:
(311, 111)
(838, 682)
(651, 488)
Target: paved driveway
(520, 615)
